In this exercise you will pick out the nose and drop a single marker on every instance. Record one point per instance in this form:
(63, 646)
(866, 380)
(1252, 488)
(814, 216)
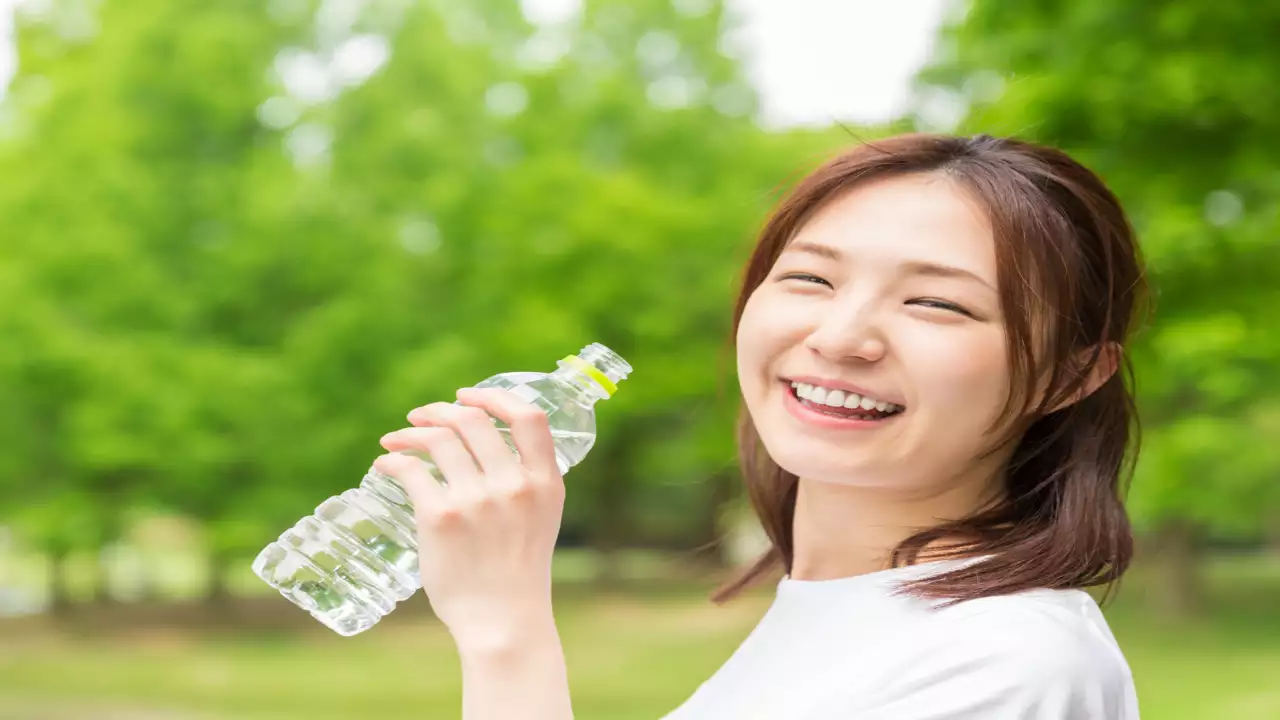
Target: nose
(847, 333)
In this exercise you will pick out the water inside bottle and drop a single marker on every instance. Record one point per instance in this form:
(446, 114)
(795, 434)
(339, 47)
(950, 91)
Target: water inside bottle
(357, 556)
(350, 562)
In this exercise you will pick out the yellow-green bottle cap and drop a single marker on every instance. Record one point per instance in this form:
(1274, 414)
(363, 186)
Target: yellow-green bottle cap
(592, 372)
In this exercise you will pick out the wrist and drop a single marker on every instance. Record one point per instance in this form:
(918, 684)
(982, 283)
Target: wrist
(501, 640)
(515, 672)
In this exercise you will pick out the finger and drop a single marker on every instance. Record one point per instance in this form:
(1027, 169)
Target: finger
(426, 415)
(530, 429)
(482, 440)
(412, 475)
(440, 446)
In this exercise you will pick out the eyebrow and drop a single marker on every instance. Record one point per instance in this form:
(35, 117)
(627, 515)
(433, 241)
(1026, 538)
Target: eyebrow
(914, 267)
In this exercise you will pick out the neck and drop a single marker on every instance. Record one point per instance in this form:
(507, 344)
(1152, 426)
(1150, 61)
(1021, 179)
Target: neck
(843, 530)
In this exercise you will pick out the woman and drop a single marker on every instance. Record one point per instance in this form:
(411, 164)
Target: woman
(929, 336)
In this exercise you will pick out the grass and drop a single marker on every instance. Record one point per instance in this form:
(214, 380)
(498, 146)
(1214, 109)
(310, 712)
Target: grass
(1224, 664)
(630, 658)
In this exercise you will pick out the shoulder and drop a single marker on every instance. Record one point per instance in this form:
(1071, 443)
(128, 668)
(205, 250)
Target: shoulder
(1039, 654)
(1048, 632)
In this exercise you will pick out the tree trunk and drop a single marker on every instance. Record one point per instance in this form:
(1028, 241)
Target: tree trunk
(1179, 591)
(612, 517)
(711, 539)
(148, 587)
(101, 580)
(109, 492)
(59, 598)
(217, 593)
(1273, 535)
(607, 531)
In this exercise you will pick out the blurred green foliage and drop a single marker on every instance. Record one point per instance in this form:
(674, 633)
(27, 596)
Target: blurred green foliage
(1173, 104)
(244, 238)
(235, 255)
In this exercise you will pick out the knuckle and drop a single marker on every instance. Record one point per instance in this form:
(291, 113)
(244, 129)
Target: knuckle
(442, 516)
(484, 502)
(555, 491)
(474, 504)
(551, 483)
(518, 493)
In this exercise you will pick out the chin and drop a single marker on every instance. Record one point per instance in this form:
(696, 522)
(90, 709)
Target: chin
(821, 463)
(838, 474)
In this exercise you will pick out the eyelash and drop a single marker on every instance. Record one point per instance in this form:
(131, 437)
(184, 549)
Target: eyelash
(801, 275)
(942, 305)
(926, 302)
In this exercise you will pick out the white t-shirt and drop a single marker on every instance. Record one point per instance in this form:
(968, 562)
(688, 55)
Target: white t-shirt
(847, 649)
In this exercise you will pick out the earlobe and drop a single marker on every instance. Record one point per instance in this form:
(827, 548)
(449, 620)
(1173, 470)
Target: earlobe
(1103, 367)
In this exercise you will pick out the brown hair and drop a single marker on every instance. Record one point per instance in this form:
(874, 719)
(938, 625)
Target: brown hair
(1070, 284)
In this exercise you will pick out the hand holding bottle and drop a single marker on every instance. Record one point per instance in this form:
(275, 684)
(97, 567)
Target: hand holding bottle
(351, 561)
(489, 531)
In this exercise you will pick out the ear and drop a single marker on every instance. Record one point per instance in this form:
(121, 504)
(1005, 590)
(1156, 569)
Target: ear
(1108, 361)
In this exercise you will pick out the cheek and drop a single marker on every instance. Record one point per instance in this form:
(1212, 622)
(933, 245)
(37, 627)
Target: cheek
(967, 373)
(748, 355)
(759, 340)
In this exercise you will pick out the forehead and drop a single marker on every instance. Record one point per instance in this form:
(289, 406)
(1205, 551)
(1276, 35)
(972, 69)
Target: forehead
(906, 219)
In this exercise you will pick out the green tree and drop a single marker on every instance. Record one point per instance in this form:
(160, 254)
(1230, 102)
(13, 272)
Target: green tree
(1171, 103)
(133, 145)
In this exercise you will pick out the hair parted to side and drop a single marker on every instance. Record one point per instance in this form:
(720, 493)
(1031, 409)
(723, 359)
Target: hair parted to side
(1070, 282)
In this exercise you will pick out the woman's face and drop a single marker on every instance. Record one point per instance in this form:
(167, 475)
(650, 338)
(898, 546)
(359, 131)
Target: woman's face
(888, 291)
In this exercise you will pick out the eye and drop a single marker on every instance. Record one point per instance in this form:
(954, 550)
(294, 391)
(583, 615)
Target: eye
(803, 276)
(940, 305)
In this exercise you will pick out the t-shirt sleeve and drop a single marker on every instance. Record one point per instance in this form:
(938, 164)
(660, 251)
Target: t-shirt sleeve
(1008, 670)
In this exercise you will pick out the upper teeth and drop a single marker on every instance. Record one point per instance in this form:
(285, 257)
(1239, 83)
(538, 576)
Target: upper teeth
(840, 398)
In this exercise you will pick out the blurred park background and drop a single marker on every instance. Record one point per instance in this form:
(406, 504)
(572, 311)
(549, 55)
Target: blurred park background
(241, 238)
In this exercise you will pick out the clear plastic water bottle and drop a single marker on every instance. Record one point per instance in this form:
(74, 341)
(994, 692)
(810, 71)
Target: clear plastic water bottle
(357, 556)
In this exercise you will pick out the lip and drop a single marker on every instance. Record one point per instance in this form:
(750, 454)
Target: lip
(807, 416)
(838, 385)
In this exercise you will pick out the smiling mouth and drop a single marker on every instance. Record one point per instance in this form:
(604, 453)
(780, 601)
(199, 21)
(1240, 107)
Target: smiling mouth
(844, 413)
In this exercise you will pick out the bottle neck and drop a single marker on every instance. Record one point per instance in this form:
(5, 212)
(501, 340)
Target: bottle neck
(586, 390)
